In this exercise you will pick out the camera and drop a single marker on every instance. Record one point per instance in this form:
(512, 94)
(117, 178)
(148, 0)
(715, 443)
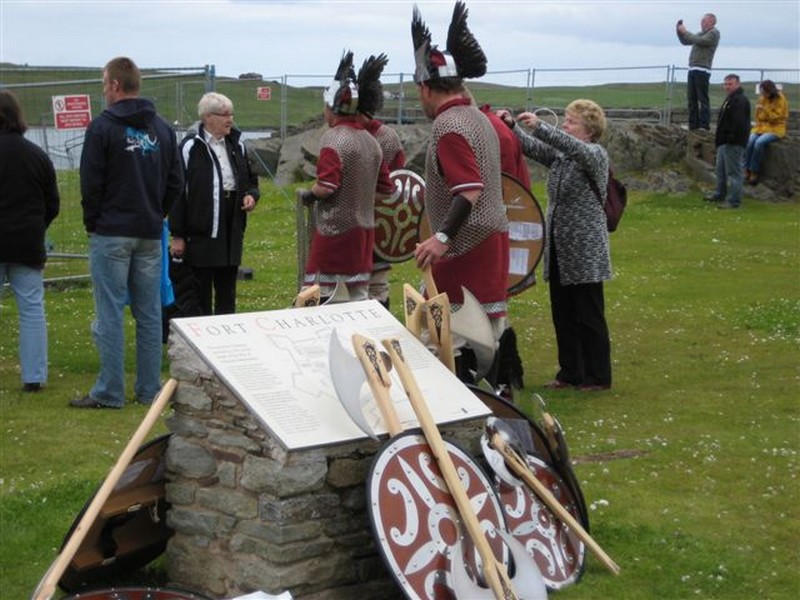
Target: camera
(680, 21)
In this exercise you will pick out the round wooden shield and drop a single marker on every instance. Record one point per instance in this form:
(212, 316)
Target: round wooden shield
(505, 410)
(557, 551)
(131, 528)
(397, 217)
(136, 593)
(415, 520)
(526, 232)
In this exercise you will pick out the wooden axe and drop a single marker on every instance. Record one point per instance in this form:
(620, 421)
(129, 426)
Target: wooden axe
(494, 572)
(439, 317)
(504, 440)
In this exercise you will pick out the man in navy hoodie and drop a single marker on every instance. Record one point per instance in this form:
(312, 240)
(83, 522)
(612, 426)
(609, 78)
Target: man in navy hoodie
(130, 176)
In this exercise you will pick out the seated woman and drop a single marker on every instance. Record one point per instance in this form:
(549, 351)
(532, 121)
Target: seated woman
(772, 112)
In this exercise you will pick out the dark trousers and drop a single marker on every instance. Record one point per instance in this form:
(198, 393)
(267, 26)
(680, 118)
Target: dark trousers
(584, 348)
(697, 96)
(222, 280)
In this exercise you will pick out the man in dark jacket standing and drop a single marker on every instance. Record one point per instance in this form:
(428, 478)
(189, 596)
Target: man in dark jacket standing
(130, 176)
(208, 221)
(733, 131)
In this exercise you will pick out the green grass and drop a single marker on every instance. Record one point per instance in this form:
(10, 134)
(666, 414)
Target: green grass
(704, 313)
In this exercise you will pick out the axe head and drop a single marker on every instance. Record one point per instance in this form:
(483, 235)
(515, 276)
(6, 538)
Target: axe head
(493, 455)
(527, 579)
(340, 294)
(348, 380)
(471, 324)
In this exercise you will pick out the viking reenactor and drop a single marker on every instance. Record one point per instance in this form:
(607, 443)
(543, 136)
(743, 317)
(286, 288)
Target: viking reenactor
(343, 196)
(370, 102)
(463, 194)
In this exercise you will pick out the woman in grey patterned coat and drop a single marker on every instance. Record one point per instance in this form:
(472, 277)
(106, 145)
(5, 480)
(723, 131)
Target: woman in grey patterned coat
(577, 257)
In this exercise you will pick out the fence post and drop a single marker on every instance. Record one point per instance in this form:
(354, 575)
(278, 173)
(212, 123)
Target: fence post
(667, 117)
(531, 85)
(211, 75)
(401, 97)
(284, 102)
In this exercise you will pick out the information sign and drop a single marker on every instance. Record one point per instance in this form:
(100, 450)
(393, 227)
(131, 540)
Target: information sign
(277, 363)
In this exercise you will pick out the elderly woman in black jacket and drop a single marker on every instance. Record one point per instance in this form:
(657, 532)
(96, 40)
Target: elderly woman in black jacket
(577, 256)
(208, 222)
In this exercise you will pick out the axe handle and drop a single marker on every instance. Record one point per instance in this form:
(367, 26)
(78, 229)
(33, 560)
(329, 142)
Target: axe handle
(494, 573)
(47, 586)
(521, 468)
(430, 283)
(376, 375)
(307, 297)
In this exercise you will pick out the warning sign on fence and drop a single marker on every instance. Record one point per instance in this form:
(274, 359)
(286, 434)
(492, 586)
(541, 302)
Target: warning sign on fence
(72, 112)
(264, 93)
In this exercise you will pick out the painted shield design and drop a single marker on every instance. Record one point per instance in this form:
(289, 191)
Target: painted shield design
(526, 232)
(557, 551)
(415, 520)
(397, 217)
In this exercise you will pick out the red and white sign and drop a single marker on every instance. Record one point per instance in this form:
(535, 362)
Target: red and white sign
(72, 112)
(264, 93)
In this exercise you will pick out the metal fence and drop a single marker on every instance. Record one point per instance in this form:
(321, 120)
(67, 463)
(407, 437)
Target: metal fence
(652, 93)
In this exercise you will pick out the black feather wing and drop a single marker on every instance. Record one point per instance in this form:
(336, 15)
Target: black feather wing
(345, 66)
(462, 45)
(370, 89)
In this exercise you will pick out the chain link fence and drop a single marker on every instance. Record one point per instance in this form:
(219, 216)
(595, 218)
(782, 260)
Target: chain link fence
(280, 104)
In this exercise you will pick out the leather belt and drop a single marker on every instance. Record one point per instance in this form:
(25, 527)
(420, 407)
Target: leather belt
(228, 194)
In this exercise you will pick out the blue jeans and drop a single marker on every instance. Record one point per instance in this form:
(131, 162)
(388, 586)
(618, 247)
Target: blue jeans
(754, 153)
(729, 173)
(125, 269)
(697, 99)
(27, 285)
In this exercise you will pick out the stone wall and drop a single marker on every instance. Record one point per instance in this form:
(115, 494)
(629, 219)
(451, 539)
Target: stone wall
(662, 158)
(248, 515)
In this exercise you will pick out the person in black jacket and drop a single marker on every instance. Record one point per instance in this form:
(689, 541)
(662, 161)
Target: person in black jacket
(730, 138)
(208, 222)
(29, 201)
(130, 176)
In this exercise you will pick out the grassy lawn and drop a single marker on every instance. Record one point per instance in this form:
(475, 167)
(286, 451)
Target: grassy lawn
(704, 313)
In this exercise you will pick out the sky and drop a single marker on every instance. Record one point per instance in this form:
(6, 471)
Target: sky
(307, 37)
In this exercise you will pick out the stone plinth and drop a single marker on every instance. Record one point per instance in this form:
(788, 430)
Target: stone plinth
(249, 515)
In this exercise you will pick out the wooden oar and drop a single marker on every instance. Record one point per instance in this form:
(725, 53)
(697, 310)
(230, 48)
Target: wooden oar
(47, 586)
(493, 571)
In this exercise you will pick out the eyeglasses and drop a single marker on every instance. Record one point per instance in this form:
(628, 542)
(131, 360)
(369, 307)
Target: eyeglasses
(224, 115)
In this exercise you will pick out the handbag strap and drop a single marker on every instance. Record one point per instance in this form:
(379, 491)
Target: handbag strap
(594, 185)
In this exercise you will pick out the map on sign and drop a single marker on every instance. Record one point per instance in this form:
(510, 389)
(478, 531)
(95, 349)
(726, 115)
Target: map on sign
(276, 363)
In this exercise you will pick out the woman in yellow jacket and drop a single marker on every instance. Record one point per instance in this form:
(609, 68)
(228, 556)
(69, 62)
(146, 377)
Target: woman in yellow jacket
(772, 112)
